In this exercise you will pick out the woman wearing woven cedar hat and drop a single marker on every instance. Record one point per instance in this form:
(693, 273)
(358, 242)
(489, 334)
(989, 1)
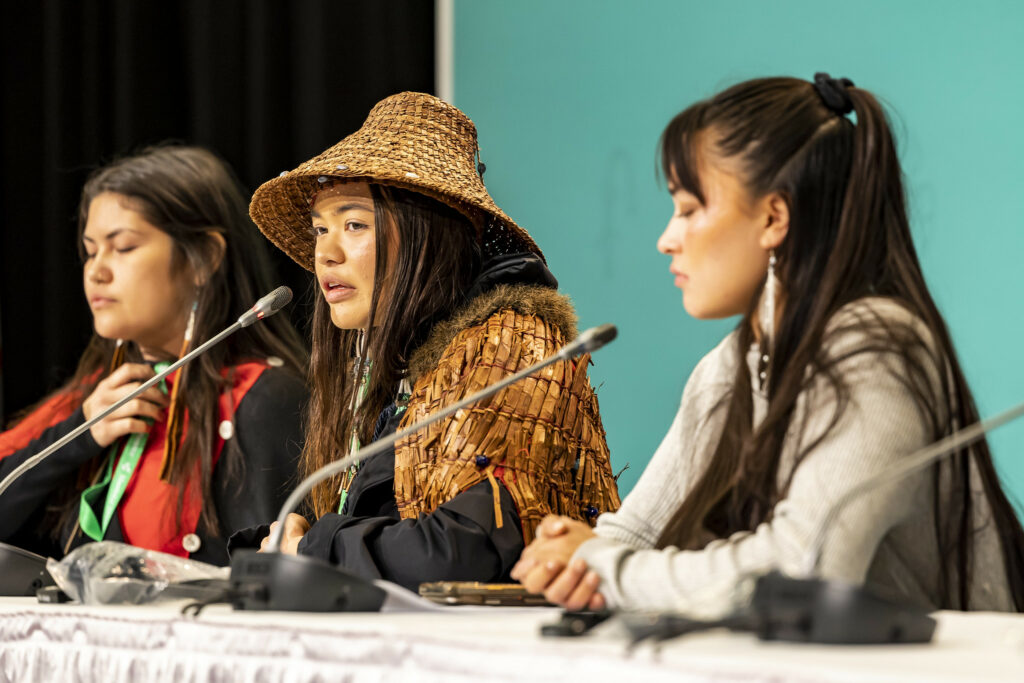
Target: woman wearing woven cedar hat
(169, 259)
(791, 214)
(429, 292)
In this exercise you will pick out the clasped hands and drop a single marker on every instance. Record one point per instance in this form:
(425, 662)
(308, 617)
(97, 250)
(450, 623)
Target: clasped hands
(546, 565)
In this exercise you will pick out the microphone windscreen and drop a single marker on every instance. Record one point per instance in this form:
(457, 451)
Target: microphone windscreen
(266, 306)
(278, 299)
(596, 337)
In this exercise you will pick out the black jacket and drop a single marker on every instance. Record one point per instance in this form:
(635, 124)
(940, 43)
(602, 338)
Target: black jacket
(268, 430)
(459, 541)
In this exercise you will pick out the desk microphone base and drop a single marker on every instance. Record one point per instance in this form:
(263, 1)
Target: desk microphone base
(296, 583)
(22, 573)
(818, 611)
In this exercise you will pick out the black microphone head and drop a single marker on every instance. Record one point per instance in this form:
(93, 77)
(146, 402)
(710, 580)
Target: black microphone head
(596, 337)
(278, 299)
(267, 306)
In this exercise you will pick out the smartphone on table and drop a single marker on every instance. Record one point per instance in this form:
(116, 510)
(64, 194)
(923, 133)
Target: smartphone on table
(476, 593)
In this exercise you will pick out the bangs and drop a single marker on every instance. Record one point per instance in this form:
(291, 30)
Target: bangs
(678, 150)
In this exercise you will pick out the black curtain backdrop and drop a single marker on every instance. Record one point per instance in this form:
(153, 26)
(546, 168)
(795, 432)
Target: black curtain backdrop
(265, 84)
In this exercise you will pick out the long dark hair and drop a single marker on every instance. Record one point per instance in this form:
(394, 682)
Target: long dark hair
(189, 193)
(849, 238)
(437, 256)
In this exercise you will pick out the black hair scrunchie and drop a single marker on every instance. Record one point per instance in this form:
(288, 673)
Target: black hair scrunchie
(833, 92)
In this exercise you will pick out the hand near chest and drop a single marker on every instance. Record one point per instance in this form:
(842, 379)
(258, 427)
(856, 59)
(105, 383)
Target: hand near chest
(131, 417)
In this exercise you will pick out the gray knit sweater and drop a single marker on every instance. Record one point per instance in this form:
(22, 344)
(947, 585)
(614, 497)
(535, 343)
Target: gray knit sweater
(885, 539)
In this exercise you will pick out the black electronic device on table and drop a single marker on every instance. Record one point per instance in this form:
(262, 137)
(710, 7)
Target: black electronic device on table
(797, 611)
(832, 612)
(575, 623)
(298, 583)
(22, 573)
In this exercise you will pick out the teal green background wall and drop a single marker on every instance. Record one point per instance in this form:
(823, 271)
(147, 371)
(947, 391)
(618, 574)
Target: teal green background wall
(570, 97)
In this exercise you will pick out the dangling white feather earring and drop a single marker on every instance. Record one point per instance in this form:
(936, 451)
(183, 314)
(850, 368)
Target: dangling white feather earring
(768, 301)
(767, 316)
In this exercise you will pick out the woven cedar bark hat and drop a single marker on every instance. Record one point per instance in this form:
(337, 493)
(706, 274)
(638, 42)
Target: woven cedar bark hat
(409, 140)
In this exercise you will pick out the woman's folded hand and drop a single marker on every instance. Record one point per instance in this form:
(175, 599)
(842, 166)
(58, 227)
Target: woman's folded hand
(546, 565)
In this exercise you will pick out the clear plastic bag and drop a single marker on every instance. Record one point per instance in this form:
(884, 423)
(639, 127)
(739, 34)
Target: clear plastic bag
(112, 573)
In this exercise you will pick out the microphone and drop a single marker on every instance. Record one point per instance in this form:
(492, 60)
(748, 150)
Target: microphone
(274, 581)
(907, 466)
(590, 340)
(265, 307)
(815, 610)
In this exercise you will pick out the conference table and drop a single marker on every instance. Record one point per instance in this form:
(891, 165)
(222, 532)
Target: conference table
(69, 642)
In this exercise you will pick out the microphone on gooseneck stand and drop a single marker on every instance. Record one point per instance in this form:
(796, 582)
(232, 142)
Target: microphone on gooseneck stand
(267, 306)
(809, 609)
(817, 610)
(17, 565)
(272, 580)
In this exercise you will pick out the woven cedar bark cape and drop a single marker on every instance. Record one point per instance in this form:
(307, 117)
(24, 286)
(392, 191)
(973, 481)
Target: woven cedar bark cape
(542, 437)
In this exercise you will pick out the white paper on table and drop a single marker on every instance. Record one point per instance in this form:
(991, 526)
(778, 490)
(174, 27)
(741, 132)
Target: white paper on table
(404, 600)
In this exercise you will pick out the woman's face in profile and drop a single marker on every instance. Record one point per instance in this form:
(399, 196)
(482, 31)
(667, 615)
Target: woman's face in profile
(133, 288)
(343, 225)
(716, 247)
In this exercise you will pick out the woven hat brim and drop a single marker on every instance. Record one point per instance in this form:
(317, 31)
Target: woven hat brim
(280, 207)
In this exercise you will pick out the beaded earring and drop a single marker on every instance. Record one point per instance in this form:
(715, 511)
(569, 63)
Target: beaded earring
(117, 358)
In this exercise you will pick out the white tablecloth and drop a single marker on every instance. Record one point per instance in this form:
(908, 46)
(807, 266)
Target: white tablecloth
(155, 643)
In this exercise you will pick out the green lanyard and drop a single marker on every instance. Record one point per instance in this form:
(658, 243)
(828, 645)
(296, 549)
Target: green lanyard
(111, 489)
(353, 443)
(401, 403)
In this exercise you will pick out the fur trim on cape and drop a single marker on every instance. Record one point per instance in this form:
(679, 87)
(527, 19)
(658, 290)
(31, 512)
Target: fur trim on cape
(546, 303)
